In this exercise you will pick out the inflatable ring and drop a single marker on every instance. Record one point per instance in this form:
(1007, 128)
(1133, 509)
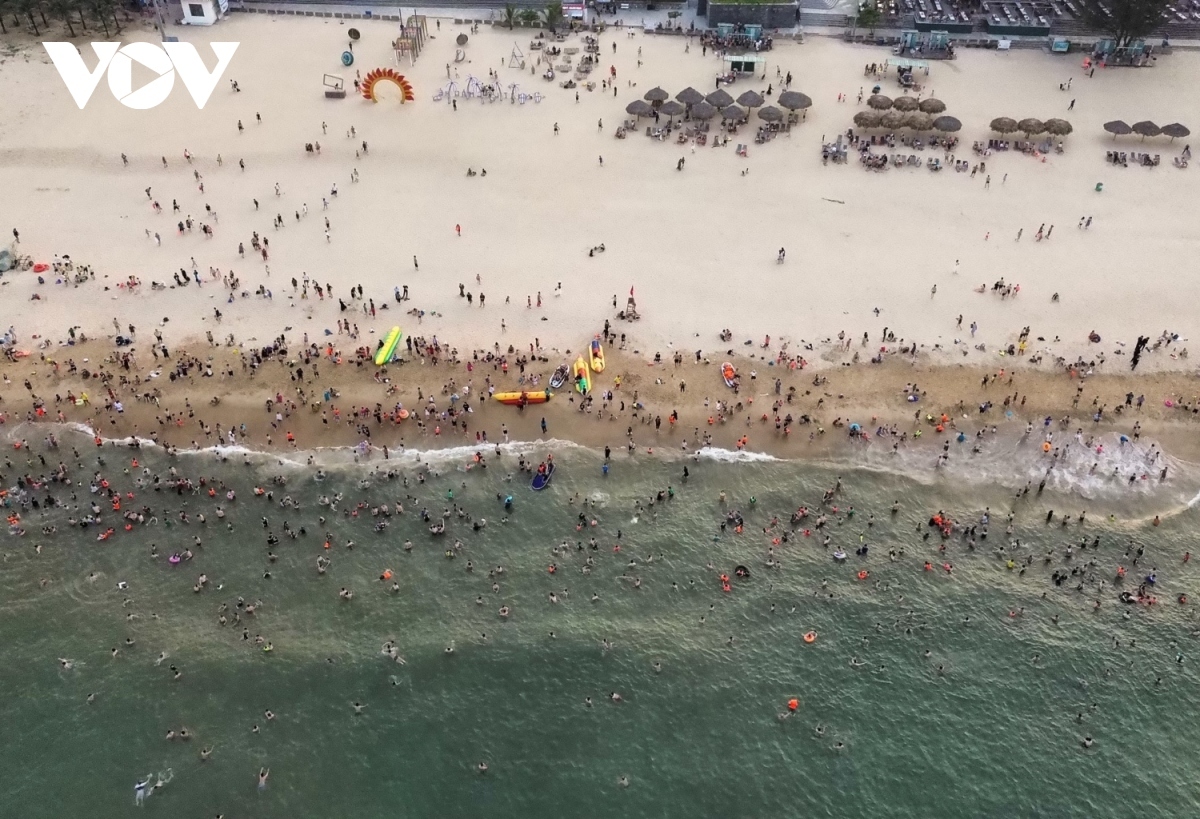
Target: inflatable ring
(347, 58)
(810, 637)
(862, 575)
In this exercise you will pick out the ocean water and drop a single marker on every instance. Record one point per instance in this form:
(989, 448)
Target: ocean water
(990, 723)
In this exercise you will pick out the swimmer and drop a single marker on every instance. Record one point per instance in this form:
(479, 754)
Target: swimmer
(263, 773)
(358, 708)
(658, 667)
(482, 767)
(623, 781)
(615, 697)
(269, 714)
(205, 753)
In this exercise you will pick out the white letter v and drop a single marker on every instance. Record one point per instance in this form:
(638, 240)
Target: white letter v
(69, 62)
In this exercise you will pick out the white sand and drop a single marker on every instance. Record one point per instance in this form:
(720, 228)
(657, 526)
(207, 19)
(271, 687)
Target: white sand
(699, 246)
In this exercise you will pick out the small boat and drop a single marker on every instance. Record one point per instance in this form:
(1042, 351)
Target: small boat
(388, 348)
(729, 374)
(514, 398)
(597, 355)
(560, 376)
(542, 479)
(583, 380)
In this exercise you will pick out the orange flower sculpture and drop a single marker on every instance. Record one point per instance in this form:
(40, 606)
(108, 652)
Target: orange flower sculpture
(379, 75)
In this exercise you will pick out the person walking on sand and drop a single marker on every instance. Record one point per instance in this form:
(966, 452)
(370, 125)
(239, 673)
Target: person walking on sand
(415, 265)
(458, 230)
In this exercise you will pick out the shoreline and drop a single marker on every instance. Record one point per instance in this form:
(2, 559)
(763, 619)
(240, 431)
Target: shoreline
(873, 396)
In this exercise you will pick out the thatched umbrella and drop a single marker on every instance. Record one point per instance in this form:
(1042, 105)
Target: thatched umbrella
(719, 98)
(656, 94)
(892, 119)
(639, 108)
(918, 121)
(1058, 127)
(793, 100)
(1004, 125)
(1146, 128)
(770, 113)
(702, 110)
(1175, 130)
(879, 102)
(1031, 126)
(672, 108)
(947, 124)
(905, 104)
(750, 99)
(932, 106)
(1117, 128)
(689, 96)
(867, 119)
(733, 112)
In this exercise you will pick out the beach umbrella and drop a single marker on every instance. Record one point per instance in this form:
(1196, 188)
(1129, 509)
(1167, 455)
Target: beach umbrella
(891, 119)
(918, 121)
(639, 108)
(1030, 126)
(867, 119)
(689, 96)
(1117, 128)
(947, 124)
(932, 106)
(770, 113)
(1175, 130)
(879, 102)
(1146, 128)
(461, 39)
(1058, 127)
(702, 110)
(1004, 125)
(732, 112)
(906, 104)
(750, 99)
(656, 94)
(719, 98)
(793, 100)
(672, 108)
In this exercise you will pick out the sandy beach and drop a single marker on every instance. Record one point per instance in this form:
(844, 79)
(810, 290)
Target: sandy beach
(905, 251)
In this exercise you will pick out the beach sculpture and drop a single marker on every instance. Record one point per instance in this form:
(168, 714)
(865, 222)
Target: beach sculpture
(378, 75)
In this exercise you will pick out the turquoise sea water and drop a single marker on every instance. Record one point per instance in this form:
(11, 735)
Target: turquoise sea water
(994, 733)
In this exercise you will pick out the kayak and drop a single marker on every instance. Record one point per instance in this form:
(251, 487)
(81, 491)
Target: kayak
(540, 397)
(385, 353)
(597, 356)
(541, 481)
(729, 374)
(583, 380)
(560, 377)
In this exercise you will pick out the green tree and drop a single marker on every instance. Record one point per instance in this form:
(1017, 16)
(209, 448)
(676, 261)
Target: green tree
(27, 8)
(1125, 20)
(528, 16)
(510, 15)
(102, 11)
(553, 15)
(869, 15)
(63, 9)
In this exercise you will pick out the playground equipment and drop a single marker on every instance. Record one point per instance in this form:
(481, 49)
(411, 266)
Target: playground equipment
(459, 55)
(347, 58)
(516, 59)
(378, 75)
(335, 87)
(413, 35)
(460, 40)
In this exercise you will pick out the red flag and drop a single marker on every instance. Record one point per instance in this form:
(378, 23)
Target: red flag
(631, 291)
